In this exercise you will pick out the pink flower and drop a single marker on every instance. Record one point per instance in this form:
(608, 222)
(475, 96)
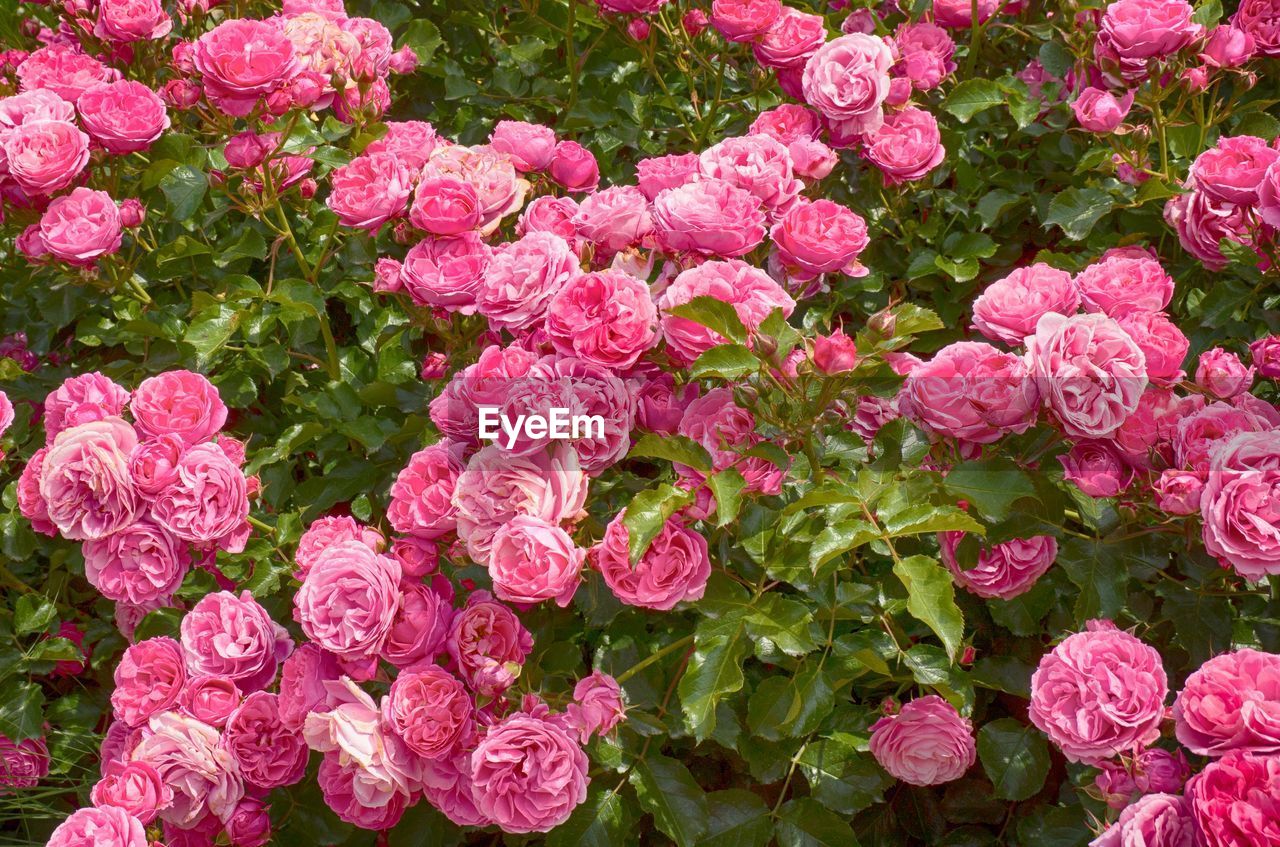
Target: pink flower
(1231, 171)
(1135, 32)
(1161, 342)
(148, 680)
(752, 293)
(1156, 820)
(531, 147)
(1097, 468)
(30, 502)
(63, 69)
(348, 600)
(1099, 693)
(370, 190)
(528, 775)
(1236, 801)
(847, 79)
(1227, 47)
(234, 637)
(139, 564)
(445, 205)
(745, 20)
(924, 54)
(1231, 703)
(124, 116)
(330, 530)
(614, 219)
(85, 480)
(574, 167)
(82, 399)
(597, 706)
(756, 163)
(419, 628)
(207, 502)
(417, 556)
(249, 825)
(446, 783)
(655, 175)
(81, 227)
(359, 797)
(267, 753)
(411, 141)
(190, 759)
(550, 214)
(1002, 571)
(1124, 279)
(927, 743)
(1261, 20)
(972, 391)
(132, 20)
(1178, 492)
(209, 698)
(531, 560)
(430, 710)
(487, 382)
(820, 237)
(710, 216)
(24, 764)
(1202, 223)
(835, 353)
(178, 403)
(446, 272)
(522, 277)
(1099, 111)
(812, 160)
(108, 826)
(1241, 521)
(243, 60)
(489, 645)
(1009, 309)
(1222, 374)
(607, 317)
(907, 146)
(791, 39)
(1199, 434)
(1090, 373)
(135, 787)
(421, 496)
(302, 683)
(675, 566)
(957, 14)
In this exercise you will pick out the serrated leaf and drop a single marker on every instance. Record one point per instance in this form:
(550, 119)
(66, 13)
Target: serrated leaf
(841, 778)
(840, 538)
(603, 821)
(1015, 757)
(1077, 210)
(648, 513)
(931, 599)
(738, 819)
(727, 486)
(674, 448)
(971, 97)
(184, 187)
(730, 361)
(1102, 579)
(715, 314)
(714, 671)
(21, 712)
(782, 707)
(667, 790)
(804, 822)
(33, 613)
(991, 486)
(926, 517)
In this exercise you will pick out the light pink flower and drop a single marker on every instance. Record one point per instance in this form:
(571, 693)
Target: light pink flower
(24, 764)
(140, 564)
(924, 54)
(1239, 504)
(1261, 20)
(597, 706)
(531, 560)
(1101, 111)
(1221, 373)
(431, 710)
(1004, 570)
(109, 826)
(1161, 342)
(614, 219)
(607, 317)
(123, 116)
(752, 293)
(421, 497)
(711, 216)
(445, 205)
(81, 227)
(655, 175)
(744, 20)
(530, 147)
(234, 637)
(420, 626)
(190, 758)
(847, 80)
(85, 480)
(971, 391)
(370, 190)
(574, 167)
(1232, 702)
(348, 600)
(63, 69)
(1009, 309)
(1135, 32)
(820, 237)
(755, 163)
(207, 502)
(675, 567)
(135, 787)
(1155, 820)
(927, 743)
(522, 277)
(331, 530)
(489, 644)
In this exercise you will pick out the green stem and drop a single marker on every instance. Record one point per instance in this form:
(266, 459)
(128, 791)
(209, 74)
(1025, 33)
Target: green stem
(653, 657)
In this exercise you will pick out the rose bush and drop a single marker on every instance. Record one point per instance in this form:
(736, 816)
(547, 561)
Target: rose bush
(928, 488)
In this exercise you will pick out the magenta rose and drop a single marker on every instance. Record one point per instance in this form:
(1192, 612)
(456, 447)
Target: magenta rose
(445, 205)
(530, 147)
(135, 787)
(607, 317)
(64, 69)
(417, 556)
(207, 503)
(420, 626)
(209, 698)
(1260, 19)
(1227, 47)
(180, 403)
(1135, 32)
(24, 764)
(105, 826)
(614, 219)
(1221, 373)
(489, 644)
(1099, 694)
(421, 497)
(752, 293)
(1232, 170)
(528, 775)
(1155, 820)
(249, 824)
(141, 563)
(1236, 801)
(411, 141)
(1265, 356)
(44, 156)
(81, 227)
(521, 278)
(243, 60)
(123, 116)
(711, 216)
(154, 463)
(675, 567)
(756, 163)
(370, 190)
(836, 353)
(85, 481)
(148, 680)
(330, 530)
(357, 798)
(1009, 309)
(957, 14)
(446, 784)
(268, 754)
(1231, 703)
(1161, 342)
(926, 743)
(971, 391)
(81, 399)
(348, 600)
(655, 175)
(487, 382)
(234, 637)
(1178, 492)
(820, 237)
(597, 706)
(1100, 111)
(1000, 571)
(531, 560)
(431, 710)
(847, 80)
(446, 272)
(574, 167)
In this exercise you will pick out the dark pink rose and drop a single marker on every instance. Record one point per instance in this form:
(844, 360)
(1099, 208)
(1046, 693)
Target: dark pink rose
(1101, 111)
(132, 20)
(1231, 703)
(655, 175)
(835, 353)
(1135, 32)
(1261, 20)
(574, 167)
(445, 205)
(1202, 223)
(148, 680)
(124, 116)
(421, 497)
(1178, 492)
(614, 219)
(924, 54)
(302, 683)
(971, 391)
(820, 237)
(531, 560)
(1161, 342)
(752, 293)
(521, 278)
(709, 216)
(1221, 373)
(550, 214)
(528, 775)
(1125, 279)
(745, 20)
(1232, 170)
(44, 156)
(63, 69)
(24, 764)
(1009, 309)
(411, 141)
(210, 698)
(597, 706)
(607, 317)
(791, 39)
(370, 190)
(957, 14)
(135, 787)
(1004, 570)
(1236, 801)
(1227, 47)
(249, 824)
(446, 272)
(431, 710)
(327, 531)
(268, 754)
(1096, 468)
(1155, 820)
(419, 627)
(234, 637)
(243, 60)
(1239, 504)
(178, 403)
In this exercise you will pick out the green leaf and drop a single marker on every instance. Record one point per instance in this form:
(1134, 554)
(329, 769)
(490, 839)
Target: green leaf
(971, 97)
(674, 448)
(1077, 210)
(1101, 578)
(1208, 14)
(727, 486)
(783, 708)
(669, 792)
(715, 314)
(1015, 757)
(991, 486)
(738, 819)
(1055, 59)
(33, 613)
(21, 712)
(603, 821)
(715, 670)
(840, 538)
(56, 650)
(423, 37)
(804, 822)
(926, 517)
(840, 777)
(730, 361)
(784, 623)
(184, 187)
(212, 329)
(648, 513)
(994, 203)
(931, 599)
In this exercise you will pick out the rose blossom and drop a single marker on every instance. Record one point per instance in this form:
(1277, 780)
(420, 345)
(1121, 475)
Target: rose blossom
(107, 826)
(330, 530)
(550, 214)
(178, 403)
(1099, 693)
(81, 227)
(411, 141)
(528, 775)
(1097, 468)
(249, 825)
(607, 317)
(1100, 111)
(971, 391)
(925, 54)
(835, 353)
(1202, 223)
(421, 497)
(431, 710)
(24, 764)
(1236, 801)
(44, 156)
(446, 272)
(489, 644)
(820, 237)
(1227, 47)
(1231, 703)
(445, 205)
(148, 680)
(1002, 571)
(1178, 492)
(530, 147)
(1134, 32)
(757, 163)
(132, 20)
(597, 706)
(656, 174)
(574, 167)
(957, 14)
(791, 39)
(81, 399)
(302, 683)
(139, 564)
(1261, 20)
(522, 277)
(123, 116)
(135, 787)
(1155, 820)
(348, 600)
(359, 796)
(190, 759)
(209, 698)
(710, 216)
(420, 626)
(614, 219)
(1009, 309)
(487, 382)
(927, 743)
(847, 79)
(242, 60)
(370, 190)
(85, 481)
(1222, 374)
(675, 566)
(531, 560)
(752, 293)
(417, 556)
(207, 502)
(1161, 342)
(1265, 356)
(1124, 279)
(234, 637)
(744, 20)
(1232, 170)
(267, 753)
(907, 146)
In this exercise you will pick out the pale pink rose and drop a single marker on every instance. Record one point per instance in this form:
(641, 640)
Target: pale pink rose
(82, 399)
(971, 391)
(348, 600)
(614, 219)
(148, 680)
(411, 142)
(24, 764)
(1221, 373)
(1232, 702)
(1009, 309)
(957, 14)
(267, 753)
(926, 743)
(710, 216)
(85, 480)
(1097, 468)
(180, 403)
(1099, 694)
(207, 503)
(756, 163)
(1090, 373)
(106, 826)
(430, 710)
(139, 564)
(1125, 279)
(1241, 521)
(531, 560)
(446, 784)
(81, 227)
(550, 214)
(1261, 20)
(370, 190)
(820, 237)
(597, 706)
(1178, 492)
(1161, 342)
(907, 146)
(752, 293)
(1236, 800)
(655, 175)
(190, 758)
(234, 637)
(445, 205)
(40, 104)
(812, 160)
(1100, 111)
(420, 626)
(132, 20)
(1232, 170)
(1202, 223)
(446, 273)
(243, 60)
(302, 683)
(530, 147)
(135, 787)
(788, 123)
(674, 568)
(124, 116)
(1154, 820)
(488, 644)
(574, 167)
(63, 69)
(607, 317)
(924, 54)
(791, 39)
(521, 278)
(528, 775)
(421, 497)
(1135, 32)
(1001, 571)
(327, 531)
(745, 20)
(847, 80)
(209, 698)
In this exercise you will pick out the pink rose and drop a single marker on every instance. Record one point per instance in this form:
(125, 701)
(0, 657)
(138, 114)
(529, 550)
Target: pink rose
(597, 706)
(745, 20)
(1161, 342)
(446, 272)
(752, 293)
(927, 743)
(207, 502)
(1241, 521)
(788, 123)
(63, 69)
(302, 683)
(148, 680)
(1236, 801)
(1099, 111)
(348, 600)
(756, 163)
(1261, 20)
(81, 227)
(498, 185)
(574, 167)
(430, 710)
(419, 628)
(1156, 820)
(124, 116)
(330, 530)
(132, 20)
(489, 644)
(24, 764)
(1090, 373)
(370, 190)
(243, 60)
(109, 825)
(1001, 571)
(531, 147)
(835, 353)
(446, 784)
(1202, 223)
(614, 219)
(1227, 47)
(675, 566)
(1099, 694)
(249, 825)
(1124, 279)
(85, 481)
(82, 399)
(209, 698)
(1135, 32)
(531, 560)
(1009, 309)
(655, 175)
(234, 637)
(178, 403)
(550, 214)
(190, 759)
(957, 14)
(1232, 171)
(847, 80)
(971, 391)
(421, 497)
(607, 317)
(268, 754)
(907, 146)
(1097, 468)
(1221, 373)
(411, 141)
(924, 54)
(812, 160)
(40, 104)
(1202, 431)
(417, 556)
(791, 39)
(1158, 770)
(522, 277)
(135, 787)
(820, 237)
(725, 429)
(1265, 356)
(445, 205)
(1178, 492)
(487, 382)
(348, 790)
(528, 775)
(139, 564)
(710, 216)
(1231, 703)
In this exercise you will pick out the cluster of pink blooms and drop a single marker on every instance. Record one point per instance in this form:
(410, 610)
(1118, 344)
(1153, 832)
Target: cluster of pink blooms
(1100, 695)
(75, 110)
(147, 499)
